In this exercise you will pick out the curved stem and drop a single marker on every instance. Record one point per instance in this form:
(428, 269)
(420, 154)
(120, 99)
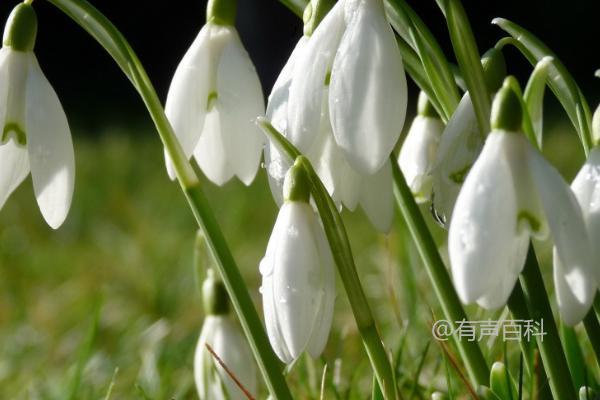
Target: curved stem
(549, 344)
(97, 25)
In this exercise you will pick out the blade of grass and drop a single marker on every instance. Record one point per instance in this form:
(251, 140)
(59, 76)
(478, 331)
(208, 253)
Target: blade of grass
(85, 351)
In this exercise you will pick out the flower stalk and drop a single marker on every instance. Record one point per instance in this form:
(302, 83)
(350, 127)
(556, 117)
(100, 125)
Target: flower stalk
(99, 27)
(472, 356)
(342, 254)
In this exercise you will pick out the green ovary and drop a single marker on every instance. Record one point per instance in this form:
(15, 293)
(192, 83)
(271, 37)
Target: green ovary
(14, 130)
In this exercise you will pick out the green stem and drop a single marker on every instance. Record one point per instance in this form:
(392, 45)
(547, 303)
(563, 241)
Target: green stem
(550, 347)
(342, 254)
(97, 25)
(518, 308)
(440, 279)
(592, 328)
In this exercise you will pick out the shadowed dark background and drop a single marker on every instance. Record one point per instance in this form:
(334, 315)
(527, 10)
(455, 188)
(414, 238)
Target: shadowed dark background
(94, 91)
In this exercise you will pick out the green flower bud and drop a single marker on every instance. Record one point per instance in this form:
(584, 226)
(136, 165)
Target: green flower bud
(21, 28)
(221, 12)
(296, 185)
(507, 113)
(494, 69)
(216, 300)
(425, 108)
(501, 382)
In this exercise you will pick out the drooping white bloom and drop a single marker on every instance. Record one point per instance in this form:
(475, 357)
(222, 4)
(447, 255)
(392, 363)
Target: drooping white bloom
(298, 282)
(35, 135)
(212, 103)
(458, 149)
(354, 52)
(418, 152)
(511, 194)
(299, 109)
(586, 186)
(225, 338)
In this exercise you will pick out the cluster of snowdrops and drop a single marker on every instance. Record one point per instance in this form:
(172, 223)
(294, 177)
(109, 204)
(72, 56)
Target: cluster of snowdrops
(341, 101)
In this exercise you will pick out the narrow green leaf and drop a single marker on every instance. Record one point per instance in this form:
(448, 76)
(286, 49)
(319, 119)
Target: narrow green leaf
(432, 70)
(296, 6)
(560, 80)
(415, 70)
(534, 96)
(574, 355)
(376, 390)
(469, 62)
(403, 18)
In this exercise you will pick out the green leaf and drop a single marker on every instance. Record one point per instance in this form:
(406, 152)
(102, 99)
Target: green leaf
(559, 79)
(469, 62)
(414, 68)
(534, 96)
(376, 390)
(574, 355)
(404, 20)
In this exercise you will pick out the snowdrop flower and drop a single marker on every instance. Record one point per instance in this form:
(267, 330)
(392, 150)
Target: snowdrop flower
(586, 187)
(214, 98)
(461, 143)
(354, 53)
(228, 343)
(419, 149)
(511, 194)
(347, 186)
(35, 135)
(298, 282)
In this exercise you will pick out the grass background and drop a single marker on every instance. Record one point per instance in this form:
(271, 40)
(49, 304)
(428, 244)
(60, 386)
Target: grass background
(108, 307)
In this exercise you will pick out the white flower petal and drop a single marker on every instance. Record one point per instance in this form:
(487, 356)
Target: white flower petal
(50, 148)
(459, 147)
(210, 152)
(418, 154)
(307, 88)
(187, 99)
(297, 277)
(377, 198)
(350, 185)
(483, 239)
(14, 168)
(320, 333)
(596, 125)
(229, 344)
(567, 227)
(502, 283)
(367, 96)
(586, 187)
(278, 99)
(240, 102)
(572, 311)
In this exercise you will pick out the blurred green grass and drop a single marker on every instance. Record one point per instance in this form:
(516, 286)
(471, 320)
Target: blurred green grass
(126, 248)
